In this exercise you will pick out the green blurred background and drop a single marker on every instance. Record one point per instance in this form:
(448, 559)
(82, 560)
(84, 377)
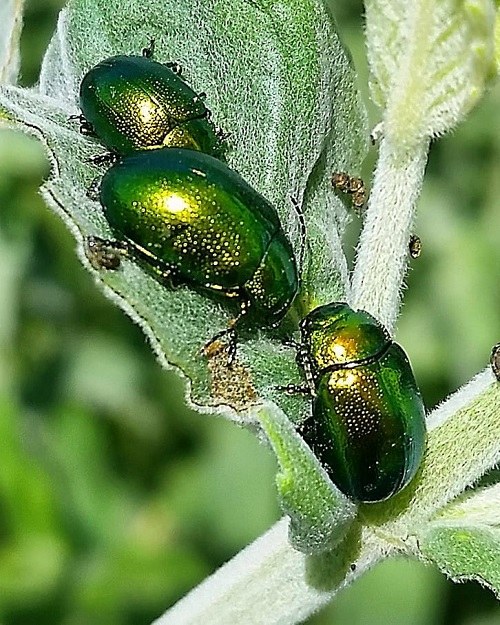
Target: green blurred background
(115, 499)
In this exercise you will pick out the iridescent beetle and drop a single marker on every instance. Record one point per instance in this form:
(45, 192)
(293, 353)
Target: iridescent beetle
(190, 219)
(367, 426)
(132, 103)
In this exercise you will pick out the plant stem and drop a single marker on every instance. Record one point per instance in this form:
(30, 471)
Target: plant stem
(268, 583)
(10, 34)
(383, 249)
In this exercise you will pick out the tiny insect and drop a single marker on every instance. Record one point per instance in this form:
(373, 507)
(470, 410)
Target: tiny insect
(415, 246)
(353, 186)
(367, 426)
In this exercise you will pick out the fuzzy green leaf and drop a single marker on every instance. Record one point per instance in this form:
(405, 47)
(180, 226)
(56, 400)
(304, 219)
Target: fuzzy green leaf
(279, 81)
(430, 62)
(464, 540)
(320, 514)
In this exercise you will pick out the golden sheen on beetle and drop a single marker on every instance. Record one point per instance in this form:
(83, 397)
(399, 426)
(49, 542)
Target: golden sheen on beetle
(133, 103)
(368, 419)
(190, 218)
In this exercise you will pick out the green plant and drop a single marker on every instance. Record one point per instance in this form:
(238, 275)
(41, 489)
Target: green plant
(425, 80)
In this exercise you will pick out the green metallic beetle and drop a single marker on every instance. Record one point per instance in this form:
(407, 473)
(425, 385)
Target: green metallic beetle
(133, 103)
(192, 220)
(368, 420)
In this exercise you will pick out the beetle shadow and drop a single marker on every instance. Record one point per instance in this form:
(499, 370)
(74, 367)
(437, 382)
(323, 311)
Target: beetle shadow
(331, 569)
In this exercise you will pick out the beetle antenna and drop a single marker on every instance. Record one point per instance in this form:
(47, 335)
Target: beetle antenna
(150, 50)
(303, 234)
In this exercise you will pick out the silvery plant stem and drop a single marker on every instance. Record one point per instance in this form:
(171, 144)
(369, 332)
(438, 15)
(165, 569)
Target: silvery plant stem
(268, 583)
(382, 254)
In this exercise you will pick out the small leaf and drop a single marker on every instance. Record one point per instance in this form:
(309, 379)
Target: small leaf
(11, 21)
(464, 540)
(320, 514)
(430, 62)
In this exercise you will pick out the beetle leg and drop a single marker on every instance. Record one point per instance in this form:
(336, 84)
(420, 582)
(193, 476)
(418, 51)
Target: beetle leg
(149, 53)
(295, 389)
(103, 159)
(93, 190)
(303, 234)
(221, 135)
(290, 342)
(232, 343)
(232, 346)
(200, 97)
(495, 360)
(163, 272)
(150, 50)
(86, 128)
(107, 254)
(304, 362)
(175, 67)
(232, 334)
(222, 138)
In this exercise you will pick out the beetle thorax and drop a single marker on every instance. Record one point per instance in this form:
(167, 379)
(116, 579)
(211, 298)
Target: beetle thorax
(328, 348)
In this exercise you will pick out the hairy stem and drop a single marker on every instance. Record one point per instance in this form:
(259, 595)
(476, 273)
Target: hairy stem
(383, 249)
(268, 583)
(11, 17)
